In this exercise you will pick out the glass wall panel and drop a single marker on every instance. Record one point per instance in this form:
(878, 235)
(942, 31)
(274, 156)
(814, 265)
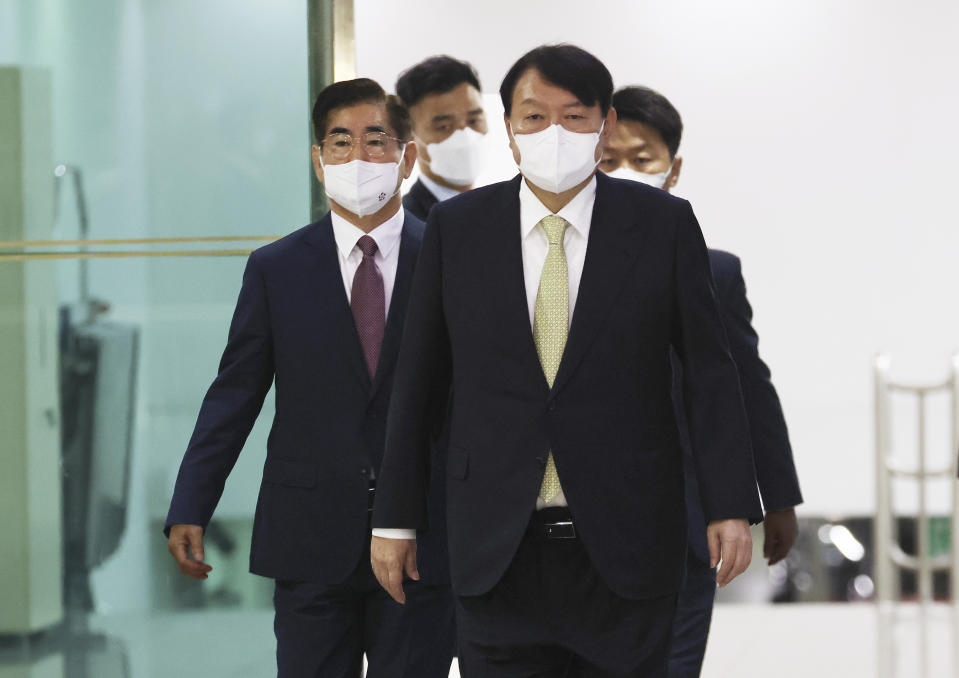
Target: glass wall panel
(145, 149)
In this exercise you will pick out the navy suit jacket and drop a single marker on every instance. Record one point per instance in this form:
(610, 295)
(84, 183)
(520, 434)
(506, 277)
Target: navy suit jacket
(419, 200)
(293, 324)
(608, 418)
(775, 470)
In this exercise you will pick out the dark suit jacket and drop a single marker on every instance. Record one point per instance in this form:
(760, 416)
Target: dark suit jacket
(419, 201)
(608, 417)
(775, 470)
(293, 323)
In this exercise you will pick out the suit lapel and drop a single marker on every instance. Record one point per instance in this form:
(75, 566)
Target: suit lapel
(614, 242)
(398, 303)
(331, 291)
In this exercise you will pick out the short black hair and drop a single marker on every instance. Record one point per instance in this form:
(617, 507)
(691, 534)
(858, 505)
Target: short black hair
(566, 66)
(436, 75)
(649, 107)
(359, 91)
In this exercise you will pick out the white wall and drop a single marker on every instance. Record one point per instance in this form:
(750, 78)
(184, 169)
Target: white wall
(820, 146)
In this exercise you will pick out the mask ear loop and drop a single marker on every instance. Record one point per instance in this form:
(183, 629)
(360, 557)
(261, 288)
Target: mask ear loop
(599, 140)
(399, 163)
(415, 139)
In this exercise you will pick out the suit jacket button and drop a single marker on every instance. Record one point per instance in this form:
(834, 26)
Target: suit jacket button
(364, 472)
(552, 406)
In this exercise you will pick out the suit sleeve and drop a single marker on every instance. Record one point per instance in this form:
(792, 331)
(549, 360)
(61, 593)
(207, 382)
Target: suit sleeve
(775, 470)
(230, 407)
(421, 389)
(719, 432)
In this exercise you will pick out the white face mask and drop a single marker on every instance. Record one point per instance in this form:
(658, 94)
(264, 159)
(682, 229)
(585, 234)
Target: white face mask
(459, 157)
(658, 180)
(556, 159)
(361, 187)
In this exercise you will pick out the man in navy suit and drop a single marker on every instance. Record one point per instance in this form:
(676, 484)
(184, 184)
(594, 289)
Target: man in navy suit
(321, 313)
(449, 124)
(644, 148)
(542, 316)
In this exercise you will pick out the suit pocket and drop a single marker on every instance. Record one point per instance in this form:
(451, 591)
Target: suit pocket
(458, 463)
(289, 473)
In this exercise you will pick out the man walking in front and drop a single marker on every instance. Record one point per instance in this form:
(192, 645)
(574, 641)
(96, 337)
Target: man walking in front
(546, 307)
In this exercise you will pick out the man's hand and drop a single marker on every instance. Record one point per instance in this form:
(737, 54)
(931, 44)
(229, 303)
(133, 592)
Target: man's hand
(390, 558)
(781, 528)
(181, 537)
(730, 543)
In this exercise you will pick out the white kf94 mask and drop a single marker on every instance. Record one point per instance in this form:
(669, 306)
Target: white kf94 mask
(459, 157)
(361, 187)
(555, 159)
(658, 180)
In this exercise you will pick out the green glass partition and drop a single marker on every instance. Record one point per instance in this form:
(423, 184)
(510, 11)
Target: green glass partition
(145, 149)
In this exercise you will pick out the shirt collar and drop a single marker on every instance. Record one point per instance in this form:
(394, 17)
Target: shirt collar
(578, 212)
(386, 235)
(441, 193)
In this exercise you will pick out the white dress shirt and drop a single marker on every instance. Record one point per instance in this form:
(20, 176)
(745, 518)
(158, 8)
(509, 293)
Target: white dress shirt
(441, 193)
(578, 213)
(387, 238)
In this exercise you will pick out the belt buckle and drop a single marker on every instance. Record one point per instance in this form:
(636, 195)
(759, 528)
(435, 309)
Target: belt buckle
(561, 530)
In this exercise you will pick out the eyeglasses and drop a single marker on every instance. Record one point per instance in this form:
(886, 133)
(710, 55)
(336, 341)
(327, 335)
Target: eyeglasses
(339, 146)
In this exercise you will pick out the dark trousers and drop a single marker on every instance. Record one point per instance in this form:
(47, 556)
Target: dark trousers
(694, 612)
(323, 631)
(551, 615)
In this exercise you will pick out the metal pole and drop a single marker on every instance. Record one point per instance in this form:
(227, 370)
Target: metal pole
(344, 41)
(320, 41)
(954, 525)
(882, 528)
(922, 543)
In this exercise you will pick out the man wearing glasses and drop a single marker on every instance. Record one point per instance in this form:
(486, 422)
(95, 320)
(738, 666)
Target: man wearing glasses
(321, 313)
(449, 128)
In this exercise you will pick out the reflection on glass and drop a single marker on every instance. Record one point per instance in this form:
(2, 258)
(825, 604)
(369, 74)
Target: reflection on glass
(180, 130)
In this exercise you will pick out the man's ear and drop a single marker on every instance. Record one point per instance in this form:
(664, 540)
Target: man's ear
(512, 144)
(317, 165)
(610, 125)
(409, 160)
(674, 173)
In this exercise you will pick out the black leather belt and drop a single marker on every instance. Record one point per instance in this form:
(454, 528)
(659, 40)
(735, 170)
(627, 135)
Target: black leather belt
(562, 530)
(552, 523)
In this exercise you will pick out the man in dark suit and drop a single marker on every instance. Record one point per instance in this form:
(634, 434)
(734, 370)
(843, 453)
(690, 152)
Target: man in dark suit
(566, 520)
(321, 311)
(443, 97)
(644, 148)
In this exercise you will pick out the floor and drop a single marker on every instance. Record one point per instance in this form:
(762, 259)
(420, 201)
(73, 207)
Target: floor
(785, 641)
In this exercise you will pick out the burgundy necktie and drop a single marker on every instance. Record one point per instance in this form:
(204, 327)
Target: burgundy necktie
(367, 299)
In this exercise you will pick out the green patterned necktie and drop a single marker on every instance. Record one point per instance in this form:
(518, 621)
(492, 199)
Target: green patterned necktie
(551, 323)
